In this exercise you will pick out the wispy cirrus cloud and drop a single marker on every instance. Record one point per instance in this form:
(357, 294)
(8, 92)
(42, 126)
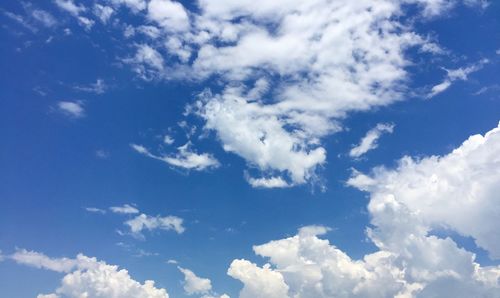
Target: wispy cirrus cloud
(369, 141)
(95, 210)
(459, 74)
(125, 209)
(185, 158)
(99, 87)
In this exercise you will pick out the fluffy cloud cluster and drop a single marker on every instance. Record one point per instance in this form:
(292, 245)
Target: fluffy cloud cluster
(458, 192)
(88, 277)
(289, 70)
(308, 71)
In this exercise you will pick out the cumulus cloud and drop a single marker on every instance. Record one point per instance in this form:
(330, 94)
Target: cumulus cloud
(185, 158)
(457, 192)
(125, 209)
(73, 109)
(369, 141)
(455, 75)
(258, 282)
(88, 277)
(306, 266)
(194, 284)
(146, 222)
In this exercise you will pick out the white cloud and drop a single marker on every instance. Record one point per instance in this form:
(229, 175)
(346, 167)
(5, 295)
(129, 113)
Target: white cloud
(148, 63)
(44, 17)
(168, 140)
(433, 8)
(194, 284)
(146, 222)
(290, 70)
(280, 132)
(171, 15)
(258, 282)
(140, 149)
(134, 5)
(102, 154)
(72, 109)
(125, 209)
(247, 130)
(305, 266)
(99, 87)
(271, 182)
(454, 75)
(151, 31)
(21, 20)
(184, 158)
(483, 4)
(369, 141)
(103, 12)
(86, 22)
(457, 192)
(70, 6)
(87, 277)
(95, 210)
(76, 11)
(47, 296)
(33, 17)
(41, 261)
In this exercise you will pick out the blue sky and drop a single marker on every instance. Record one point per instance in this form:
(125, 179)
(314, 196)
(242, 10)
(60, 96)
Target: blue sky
(309, 136)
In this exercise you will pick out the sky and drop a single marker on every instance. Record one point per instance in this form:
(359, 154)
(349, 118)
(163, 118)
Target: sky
(252, 149)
